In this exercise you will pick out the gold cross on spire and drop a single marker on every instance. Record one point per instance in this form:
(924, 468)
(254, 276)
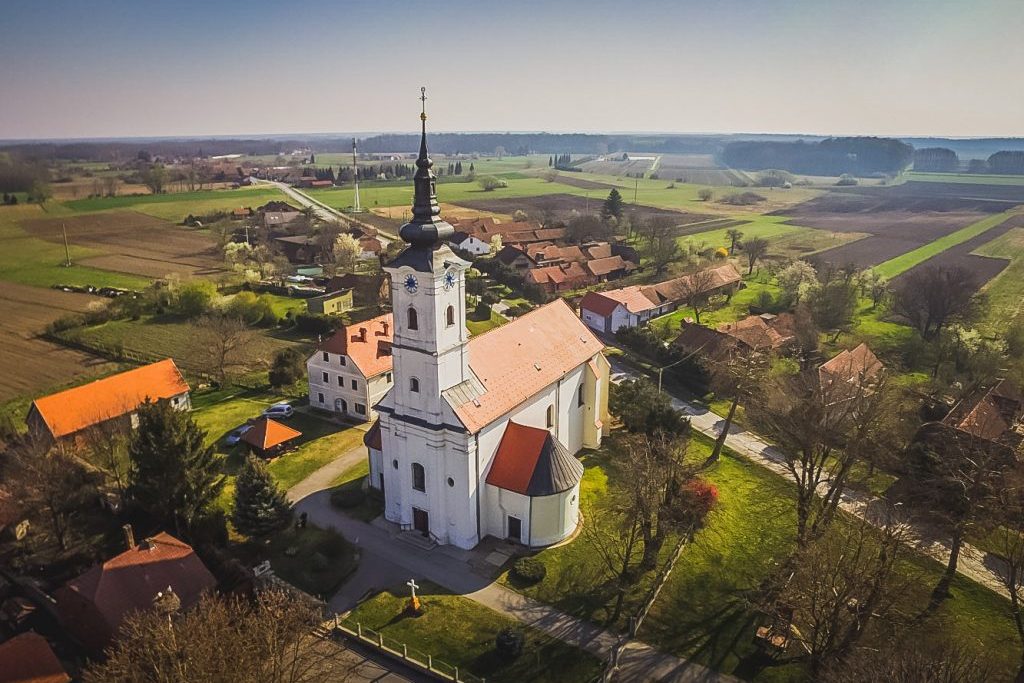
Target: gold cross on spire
(423, 102)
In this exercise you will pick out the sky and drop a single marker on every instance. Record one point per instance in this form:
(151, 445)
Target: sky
(121, 68)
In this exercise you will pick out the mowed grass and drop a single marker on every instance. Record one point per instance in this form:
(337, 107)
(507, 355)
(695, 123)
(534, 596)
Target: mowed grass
(477, 325)
(461, 633)
(400, 194)
(1006, 290)
(904, 262)
(32, 261)
(784, 240)
(737, 308)
(175, 206)
(705, 610)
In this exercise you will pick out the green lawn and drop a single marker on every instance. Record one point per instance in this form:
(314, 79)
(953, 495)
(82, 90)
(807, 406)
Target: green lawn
(784, 240)
(176, 206)
(1006, 290)
(400, 194)
(313, 559)
(477, 325)
(737, 308)
(32, 261)
(904, 262)
(704, 611)
(461, 633)
(371, 505)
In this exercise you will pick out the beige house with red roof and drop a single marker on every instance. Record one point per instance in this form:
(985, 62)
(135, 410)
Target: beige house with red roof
(478, 437)
(351, 371)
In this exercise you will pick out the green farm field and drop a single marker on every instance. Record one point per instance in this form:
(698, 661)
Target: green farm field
(967, 178)
(176, 206)
(1005, 291)
(785, 240)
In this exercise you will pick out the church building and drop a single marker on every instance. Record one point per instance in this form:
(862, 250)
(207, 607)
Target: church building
(478, 437)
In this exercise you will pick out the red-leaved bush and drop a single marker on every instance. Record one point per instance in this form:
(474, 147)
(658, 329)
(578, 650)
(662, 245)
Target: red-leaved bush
(698, 497)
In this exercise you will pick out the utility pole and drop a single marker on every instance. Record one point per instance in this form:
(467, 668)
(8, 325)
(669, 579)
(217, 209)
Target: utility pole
(636, 185)
(67, 251)
(356, 208)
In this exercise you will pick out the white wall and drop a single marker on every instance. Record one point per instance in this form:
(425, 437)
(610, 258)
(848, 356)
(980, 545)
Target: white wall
(592, 319)
(367, 392)
(554, 518)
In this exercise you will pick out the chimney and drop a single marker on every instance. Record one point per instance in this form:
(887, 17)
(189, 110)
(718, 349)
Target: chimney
(362, 334)
(129, 536)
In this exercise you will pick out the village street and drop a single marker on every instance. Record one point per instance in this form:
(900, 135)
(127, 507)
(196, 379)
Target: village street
(974, 564)
(389, 558)
(323, 211)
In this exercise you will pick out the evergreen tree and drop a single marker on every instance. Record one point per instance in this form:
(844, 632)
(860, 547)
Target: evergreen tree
(551, 160)
(458, 168)
(612, 207)
(172, 474)
(312, 158)
(260, 506)
(471, 169)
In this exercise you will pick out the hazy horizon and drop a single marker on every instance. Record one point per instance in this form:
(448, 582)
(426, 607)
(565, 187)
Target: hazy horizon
(114, 69)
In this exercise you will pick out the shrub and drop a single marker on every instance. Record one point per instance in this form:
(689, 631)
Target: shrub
(529, 570)
(742, 198)
(288, 368)
(509, 642)
(312, 323)
(195, 298)
(347, 498)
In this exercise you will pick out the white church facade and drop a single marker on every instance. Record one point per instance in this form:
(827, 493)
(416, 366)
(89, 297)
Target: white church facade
(478, 437)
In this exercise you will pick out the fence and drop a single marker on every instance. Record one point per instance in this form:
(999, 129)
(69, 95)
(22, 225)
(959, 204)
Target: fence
(411, 656)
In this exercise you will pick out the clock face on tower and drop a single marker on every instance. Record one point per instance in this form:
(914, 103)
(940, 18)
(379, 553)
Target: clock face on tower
(449, 280)
(411, 285)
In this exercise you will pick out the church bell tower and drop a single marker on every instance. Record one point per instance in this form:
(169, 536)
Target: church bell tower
(428, 297)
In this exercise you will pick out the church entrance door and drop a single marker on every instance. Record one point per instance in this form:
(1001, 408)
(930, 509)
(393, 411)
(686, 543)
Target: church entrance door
(515, 529)
(420, 521)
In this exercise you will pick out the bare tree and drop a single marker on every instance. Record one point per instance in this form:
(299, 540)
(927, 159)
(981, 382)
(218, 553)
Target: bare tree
(662, 247)
(823, 429)
(224, 344)
(734, 235)
(1008, 544)
(932, 297)
(736, 375)
(616, 540)
(909, 660)
(346, 253)
(223, 640)
(755, 248)
(695, 289)
(841, 582)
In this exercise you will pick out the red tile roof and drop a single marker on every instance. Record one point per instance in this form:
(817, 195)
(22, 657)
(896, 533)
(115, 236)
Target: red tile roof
(611, 264)
(94, 604)
(853, 367)
(603, 303)
(73, 410)
(370, 352)
(755, 332)
(28, 658)
(267, 433)
(518, 359)
(531, 461)
(676, 289)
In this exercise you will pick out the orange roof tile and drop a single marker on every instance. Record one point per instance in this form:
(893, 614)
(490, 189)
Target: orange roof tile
(28, 658)
(370, 352)
(754, 332)
(531, 461)
(518, 359)
(72, 410)
(267, 433)
(852, 366)
(604, 266)
(676, 288)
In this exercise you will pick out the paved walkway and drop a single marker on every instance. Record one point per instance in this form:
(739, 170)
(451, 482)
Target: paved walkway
(974, 564)
(386, 560)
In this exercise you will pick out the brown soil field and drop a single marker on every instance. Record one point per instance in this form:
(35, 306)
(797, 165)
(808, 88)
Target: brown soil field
(134, 243)
(572, 181)
(562, 204)
(897, 221)
(30, 365)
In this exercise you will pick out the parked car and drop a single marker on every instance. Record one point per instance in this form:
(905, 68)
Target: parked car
(279, 410)
(236, 435)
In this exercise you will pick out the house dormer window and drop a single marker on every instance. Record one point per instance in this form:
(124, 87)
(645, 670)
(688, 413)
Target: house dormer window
(414, 323)
(449, 316)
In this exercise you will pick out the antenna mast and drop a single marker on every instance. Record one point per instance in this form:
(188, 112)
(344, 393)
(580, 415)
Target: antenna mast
(356, 208)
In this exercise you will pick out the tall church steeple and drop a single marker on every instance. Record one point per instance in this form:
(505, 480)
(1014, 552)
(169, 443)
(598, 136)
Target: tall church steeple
(426, 228)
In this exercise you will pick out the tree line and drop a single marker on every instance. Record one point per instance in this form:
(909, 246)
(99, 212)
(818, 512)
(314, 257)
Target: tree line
(833, 156)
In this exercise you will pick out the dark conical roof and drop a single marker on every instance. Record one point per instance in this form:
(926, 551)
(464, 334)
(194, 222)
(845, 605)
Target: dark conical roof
(531, 461)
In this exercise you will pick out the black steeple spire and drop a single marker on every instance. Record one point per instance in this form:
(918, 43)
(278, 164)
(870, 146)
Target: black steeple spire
(426, 227)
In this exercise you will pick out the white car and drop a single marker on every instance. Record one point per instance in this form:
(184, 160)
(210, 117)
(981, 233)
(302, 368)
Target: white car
(236, 435)
(279, 410)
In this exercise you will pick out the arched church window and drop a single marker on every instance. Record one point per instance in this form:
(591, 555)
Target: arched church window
(551, 416)
(414, 385)
(414, 323)
(449, 316)
(419, 477)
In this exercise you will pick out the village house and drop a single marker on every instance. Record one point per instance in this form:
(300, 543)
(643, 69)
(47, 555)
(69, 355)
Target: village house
(849, 374)
(368, 289)
(471, 244)
(478, 437)
(116, 398)
(563, 277)
(613, 309)
(331, 303)
(992, 417)
(371, 247)
(755, 333)
(514, 257)
(298, 249)
(28, 658)
(352, 370)
(93, 606)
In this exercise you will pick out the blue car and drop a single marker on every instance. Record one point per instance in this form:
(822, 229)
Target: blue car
(236, 435)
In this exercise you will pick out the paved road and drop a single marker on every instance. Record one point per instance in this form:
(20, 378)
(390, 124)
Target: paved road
(973, 564)
(386, 560)
(323, 211)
